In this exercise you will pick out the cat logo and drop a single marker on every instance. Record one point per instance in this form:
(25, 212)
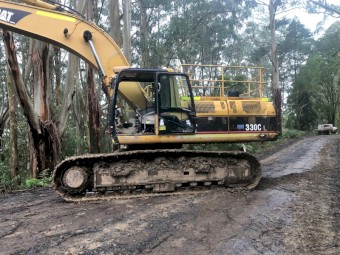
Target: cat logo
(5, 15)
(11, 16)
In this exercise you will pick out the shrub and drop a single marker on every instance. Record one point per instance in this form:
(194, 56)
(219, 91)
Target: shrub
(31, 183)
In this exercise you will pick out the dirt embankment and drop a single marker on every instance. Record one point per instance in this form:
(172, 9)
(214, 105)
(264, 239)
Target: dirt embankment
(294, 210)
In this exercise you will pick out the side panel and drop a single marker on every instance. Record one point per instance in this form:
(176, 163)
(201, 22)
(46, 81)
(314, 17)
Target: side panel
(235, 115)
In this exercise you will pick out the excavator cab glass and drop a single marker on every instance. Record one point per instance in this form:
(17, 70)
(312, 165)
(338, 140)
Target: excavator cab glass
(152, 102)
(175, 105)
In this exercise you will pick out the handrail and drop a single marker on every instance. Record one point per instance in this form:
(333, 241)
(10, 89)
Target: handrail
(208, 79)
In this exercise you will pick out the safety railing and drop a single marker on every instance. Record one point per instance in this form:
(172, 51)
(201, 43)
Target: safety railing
(221, 80)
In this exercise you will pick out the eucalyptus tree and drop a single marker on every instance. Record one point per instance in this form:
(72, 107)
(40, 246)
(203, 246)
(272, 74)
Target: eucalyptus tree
(317, 6)
(327, 48)
(4, 113)
(114, 21)
(46, 128)
(127, 30)
(93, 102)
(210, 32)
(147, 20)
(37, 114)
(293, 51)
(189, 31)
(269, 48)
(275, 8)
(12, 106)
(303, 100)
(315, 95)
(13, 131)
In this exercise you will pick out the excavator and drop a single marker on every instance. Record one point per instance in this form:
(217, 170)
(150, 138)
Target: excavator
(155, 115)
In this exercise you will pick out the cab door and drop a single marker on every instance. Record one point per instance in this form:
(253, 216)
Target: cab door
(175, 106)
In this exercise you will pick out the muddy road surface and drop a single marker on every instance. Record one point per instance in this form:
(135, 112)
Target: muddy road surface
(294, 210)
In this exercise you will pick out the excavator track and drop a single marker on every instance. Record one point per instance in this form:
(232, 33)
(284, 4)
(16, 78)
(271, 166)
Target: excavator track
(131, 174)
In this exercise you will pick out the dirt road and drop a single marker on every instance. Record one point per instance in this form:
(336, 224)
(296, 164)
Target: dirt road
(294, 210)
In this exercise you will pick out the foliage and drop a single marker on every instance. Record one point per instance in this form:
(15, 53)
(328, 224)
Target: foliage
(188, 31)
(292, 133)
(6, 181)
(320, 6)
(34, 183)
(74, 141)
(315, 95)
(293, 51)
(21, 181)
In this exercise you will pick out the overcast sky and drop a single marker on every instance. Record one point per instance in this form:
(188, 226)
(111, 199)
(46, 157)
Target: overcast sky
(311, 21)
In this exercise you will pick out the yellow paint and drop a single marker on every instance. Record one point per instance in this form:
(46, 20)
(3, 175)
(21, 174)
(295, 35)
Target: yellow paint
(55, 16)
(187, 98)
(198, 138)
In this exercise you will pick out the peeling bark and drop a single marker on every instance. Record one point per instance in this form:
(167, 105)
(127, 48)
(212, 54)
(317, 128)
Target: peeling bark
(12, 127)
(69, 92)
(94, 124)
(3, 120)
(45, 139)
(93, 104)
(115, 22)
(145, 53)
(275, 64)
(127, 30)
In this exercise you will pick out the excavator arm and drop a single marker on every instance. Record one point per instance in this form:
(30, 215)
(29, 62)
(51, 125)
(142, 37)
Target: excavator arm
(49, 23)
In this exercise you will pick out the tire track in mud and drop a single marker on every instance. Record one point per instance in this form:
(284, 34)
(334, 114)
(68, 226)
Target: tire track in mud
(297, 158)
(314, 221)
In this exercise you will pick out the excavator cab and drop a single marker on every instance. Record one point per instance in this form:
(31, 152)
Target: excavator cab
(152, 102)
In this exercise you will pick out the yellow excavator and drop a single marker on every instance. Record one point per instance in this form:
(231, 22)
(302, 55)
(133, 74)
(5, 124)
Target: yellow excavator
(153, 113)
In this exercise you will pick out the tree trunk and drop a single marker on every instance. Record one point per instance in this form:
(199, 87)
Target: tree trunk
(80, 113)
(93, 104)
(40, 63)
(57, 65)
(145, 54)
(3, 120)
(94, 124)
(115, 22)
(273, 4)
(45, 139)
(127, 30)
(14, 166)
(44, 152)
(69, 91)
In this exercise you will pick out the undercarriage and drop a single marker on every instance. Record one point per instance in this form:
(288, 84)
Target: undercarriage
(126, 174)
